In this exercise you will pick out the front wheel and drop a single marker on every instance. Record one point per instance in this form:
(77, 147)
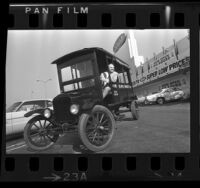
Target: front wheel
(39, 133)
(160, 101)
(135, 110)
(96, 130)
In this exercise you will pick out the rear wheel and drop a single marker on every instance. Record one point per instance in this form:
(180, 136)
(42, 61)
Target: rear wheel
(96, 130)
(39, 133)
(135, 110)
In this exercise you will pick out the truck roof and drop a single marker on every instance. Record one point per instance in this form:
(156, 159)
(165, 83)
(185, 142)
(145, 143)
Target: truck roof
(85, 51)
(35, 100)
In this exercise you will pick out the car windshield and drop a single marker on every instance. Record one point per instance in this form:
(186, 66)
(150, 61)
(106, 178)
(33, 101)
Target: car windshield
(13, 107)
(154, 92)
(77, 71)
(176, 89)
(164, 90)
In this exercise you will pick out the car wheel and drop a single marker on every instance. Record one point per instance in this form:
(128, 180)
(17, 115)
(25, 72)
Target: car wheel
(96, 130)
(135, 110)
(146, 102)
(160, 100)
(39, 134)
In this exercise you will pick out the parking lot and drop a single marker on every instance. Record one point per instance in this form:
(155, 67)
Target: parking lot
(160, 129)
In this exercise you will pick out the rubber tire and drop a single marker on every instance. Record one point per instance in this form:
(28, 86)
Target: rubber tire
(83, 122)
(159, 102)
(26, 138)
(134, 112)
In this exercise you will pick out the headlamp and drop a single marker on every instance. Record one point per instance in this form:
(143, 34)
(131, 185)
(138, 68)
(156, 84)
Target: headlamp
(47, 113)
(74, 109)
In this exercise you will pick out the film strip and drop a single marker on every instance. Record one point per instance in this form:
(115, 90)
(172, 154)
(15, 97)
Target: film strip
(154, 162)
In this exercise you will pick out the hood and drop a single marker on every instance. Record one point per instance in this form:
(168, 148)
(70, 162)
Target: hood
(153, 95)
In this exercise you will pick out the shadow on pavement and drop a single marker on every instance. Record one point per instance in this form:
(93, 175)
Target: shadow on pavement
(171, 103)
(73, 140)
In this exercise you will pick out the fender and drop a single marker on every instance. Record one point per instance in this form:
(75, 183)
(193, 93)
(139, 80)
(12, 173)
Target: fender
(38, 111)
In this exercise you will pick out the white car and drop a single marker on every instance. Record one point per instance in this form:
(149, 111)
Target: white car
(15, 120)
(141, 100)
(167, 94)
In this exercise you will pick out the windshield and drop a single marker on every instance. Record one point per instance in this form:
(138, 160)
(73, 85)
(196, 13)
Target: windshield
(77, 71)
(13, 107)
(176, 89)
(164, 90)
(155, 92)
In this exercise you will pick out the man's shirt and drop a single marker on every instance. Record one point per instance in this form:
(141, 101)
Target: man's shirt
(105, 77)
(113, 76)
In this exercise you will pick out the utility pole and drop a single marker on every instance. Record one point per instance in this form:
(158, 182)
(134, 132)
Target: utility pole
(45, 92)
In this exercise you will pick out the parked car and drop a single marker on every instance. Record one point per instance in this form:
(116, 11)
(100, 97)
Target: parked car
(165, 95)
(15, 120)
(141, 100)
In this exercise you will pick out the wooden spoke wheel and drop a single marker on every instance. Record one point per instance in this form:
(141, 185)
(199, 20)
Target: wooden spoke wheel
(39, 133)
(97, 129)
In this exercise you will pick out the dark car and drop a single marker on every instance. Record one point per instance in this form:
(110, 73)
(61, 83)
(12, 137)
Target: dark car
(81, 106)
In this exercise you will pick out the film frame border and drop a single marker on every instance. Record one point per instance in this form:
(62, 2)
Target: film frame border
(170, 166)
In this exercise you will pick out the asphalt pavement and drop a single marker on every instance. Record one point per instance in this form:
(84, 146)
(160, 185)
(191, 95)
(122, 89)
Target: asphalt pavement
(160, 129)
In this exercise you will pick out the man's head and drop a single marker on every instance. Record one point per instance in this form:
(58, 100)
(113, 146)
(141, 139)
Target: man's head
(111, 67)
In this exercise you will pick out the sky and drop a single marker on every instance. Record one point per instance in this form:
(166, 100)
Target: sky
(30, 53)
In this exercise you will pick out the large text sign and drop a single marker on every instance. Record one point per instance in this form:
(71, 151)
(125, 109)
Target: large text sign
(173, 67)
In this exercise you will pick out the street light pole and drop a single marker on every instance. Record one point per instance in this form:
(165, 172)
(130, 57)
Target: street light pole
(44, 82)
(32, 94)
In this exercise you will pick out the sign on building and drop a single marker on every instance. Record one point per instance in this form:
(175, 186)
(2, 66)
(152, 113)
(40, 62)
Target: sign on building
(119, 42)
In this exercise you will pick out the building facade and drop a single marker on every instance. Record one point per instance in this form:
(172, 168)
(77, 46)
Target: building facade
(169, 68)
